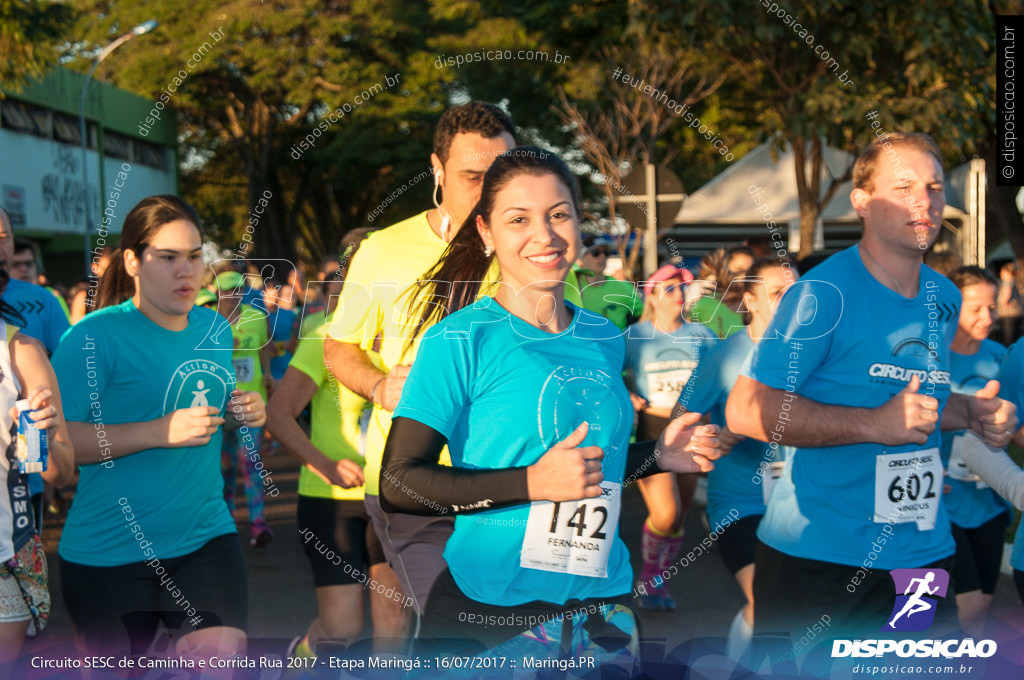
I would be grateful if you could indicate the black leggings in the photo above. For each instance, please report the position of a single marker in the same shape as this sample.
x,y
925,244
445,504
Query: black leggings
x,y
335,529
979,554
118,609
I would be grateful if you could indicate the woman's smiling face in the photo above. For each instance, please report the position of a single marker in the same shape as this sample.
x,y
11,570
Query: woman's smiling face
x,y
534,230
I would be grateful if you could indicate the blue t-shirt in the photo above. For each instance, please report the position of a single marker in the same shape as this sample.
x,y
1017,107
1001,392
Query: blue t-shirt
x,y
969,506
1011,377
117,366
1011,388
662,362
735,484
504,392
840,337
44,319
281,322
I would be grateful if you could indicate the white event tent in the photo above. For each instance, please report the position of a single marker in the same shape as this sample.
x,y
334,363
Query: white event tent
x,y
723,212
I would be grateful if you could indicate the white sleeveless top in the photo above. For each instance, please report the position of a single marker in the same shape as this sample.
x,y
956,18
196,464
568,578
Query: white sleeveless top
x,y
9,391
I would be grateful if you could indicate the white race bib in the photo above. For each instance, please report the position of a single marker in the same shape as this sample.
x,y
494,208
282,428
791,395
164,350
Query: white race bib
x,y
957,468
573,537
664,387
908,487
771,476
244,368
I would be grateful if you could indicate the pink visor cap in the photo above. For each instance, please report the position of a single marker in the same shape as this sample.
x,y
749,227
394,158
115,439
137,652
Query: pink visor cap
x,y
666,272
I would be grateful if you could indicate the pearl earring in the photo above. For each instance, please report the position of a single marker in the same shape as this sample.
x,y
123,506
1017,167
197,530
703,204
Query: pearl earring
x,y
488,250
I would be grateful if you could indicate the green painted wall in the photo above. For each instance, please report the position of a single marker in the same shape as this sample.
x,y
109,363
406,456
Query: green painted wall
x,y
117,109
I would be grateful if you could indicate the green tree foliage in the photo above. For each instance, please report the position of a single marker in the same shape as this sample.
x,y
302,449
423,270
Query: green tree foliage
x,y
923,66
282,66
31,33
246,101
247,106
618,127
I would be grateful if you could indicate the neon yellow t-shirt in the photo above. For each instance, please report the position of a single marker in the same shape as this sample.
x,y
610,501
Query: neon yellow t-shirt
x,y
372,305
249,330
334,412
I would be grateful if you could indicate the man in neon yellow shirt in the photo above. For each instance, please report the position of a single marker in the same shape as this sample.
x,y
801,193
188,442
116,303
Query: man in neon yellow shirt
x,y
373,309
342,547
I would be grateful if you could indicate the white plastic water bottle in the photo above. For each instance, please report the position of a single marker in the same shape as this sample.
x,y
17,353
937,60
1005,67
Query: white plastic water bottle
x,y
32,449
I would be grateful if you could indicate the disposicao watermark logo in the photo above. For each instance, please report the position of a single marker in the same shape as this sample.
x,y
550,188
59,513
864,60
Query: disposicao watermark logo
x,y
917,593
914,610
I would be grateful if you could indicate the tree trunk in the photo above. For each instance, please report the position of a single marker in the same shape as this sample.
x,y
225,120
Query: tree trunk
x,y
808,223
807,191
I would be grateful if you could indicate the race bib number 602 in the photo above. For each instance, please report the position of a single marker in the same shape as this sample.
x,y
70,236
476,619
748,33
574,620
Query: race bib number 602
x,y
573,537
908,487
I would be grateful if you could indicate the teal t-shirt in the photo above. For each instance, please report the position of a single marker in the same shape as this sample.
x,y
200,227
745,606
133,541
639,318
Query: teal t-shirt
x,y
841,337
503,392
116,366
736,484
662,362
969,506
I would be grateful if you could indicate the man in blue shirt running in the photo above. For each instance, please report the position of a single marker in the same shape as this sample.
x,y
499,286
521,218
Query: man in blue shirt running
x,y
44,319
854,372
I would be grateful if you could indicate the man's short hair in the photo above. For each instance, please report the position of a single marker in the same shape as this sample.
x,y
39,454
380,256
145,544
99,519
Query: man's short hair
x,y
23,244
864,167
486,120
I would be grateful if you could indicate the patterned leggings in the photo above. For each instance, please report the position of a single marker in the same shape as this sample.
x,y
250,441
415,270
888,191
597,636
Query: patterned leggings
x,y
561,649
245,448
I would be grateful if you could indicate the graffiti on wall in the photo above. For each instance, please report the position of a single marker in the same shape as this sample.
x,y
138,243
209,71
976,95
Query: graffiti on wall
x,y
64,199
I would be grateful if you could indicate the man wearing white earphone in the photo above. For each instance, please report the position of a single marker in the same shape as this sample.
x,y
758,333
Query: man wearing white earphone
x,y
373,308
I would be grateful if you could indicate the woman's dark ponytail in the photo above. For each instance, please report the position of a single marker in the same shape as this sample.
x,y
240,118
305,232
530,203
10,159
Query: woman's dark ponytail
x,y
454,282
115,285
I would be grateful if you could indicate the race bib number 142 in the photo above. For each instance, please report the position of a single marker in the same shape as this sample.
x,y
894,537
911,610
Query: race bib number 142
x,y
573,537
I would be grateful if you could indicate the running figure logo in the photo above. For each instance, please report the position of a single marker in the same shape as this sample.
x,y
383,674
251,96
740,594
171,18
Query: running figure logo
x,y
914,610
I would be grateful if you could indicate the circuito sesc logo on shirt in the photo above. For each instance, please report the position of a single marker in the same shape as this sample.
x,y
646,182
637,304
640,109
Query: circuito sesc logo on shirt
x,y
572,395
198,382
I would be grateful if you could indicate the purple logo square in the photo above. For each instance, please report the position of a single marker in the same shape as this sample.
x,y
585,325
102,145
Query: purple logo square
x,y
917,591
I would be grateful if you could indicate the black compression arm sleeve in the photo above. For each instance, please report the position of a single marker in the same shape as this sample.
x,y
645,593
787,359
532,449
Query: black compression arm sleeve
x,y
410,461
641,460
